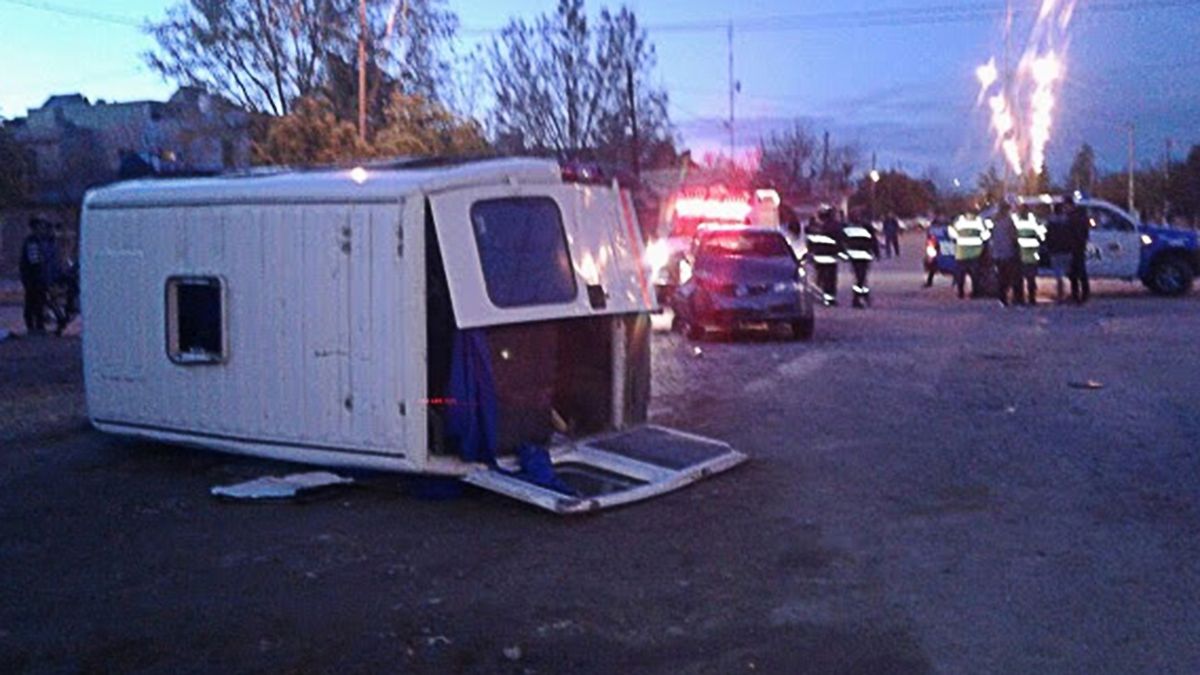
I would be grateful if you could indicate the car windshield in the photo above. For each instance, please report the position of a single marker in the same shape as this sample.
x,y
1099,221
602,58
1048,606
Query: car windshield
x,y
745,244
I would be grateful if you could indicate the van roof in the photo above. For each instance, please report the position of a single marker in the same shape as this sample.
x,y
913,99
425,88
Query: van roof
x,y
367,183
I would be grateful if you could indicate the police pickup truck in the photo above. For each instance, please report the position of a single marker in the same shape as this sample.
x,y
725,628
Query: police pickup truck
x,y
1120,246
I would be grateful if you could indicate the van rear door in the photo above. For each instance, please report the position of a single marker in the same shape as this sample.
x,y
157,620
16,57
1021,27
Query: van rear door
x,y
616,469
533,253
524,253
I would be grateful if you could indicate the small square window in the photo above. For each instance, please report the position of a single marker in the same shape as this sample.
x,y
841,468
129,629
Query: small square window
x,y
196,320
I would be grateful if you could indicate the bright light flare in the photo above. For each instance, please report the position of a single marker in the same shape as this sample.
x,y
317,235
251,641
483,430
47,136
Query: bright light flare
x,y
359,175
987,74
657,256
724,210
588,270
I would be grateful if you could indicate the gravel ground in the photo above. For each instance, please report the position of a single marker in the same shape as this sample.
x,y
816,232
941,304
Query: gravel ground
x,y
926,493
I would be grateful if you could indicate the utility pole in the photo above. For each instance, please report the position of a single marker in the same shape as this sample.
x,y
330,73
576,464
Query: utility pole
x,y
1007,84
1167,183
732,88
362,70
1132,149
633,121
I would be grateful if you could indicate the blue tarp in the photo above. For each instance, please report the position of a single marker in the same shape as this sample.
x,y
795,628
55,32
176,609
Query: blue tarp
x,y
472,416
537,468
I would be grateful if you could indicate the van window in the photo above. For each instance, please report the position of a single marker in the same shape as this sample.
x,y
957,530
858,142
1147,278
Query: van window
x,y
523,250
195,320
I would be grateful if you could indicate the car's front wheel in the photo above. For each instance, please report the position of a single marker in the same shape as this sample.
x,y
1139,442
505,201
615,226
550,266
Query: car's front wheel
x,y
1171,276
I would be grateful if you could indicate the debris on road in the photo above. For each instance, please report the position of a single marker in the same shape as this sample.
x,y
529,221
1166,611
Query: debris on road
x,y
276,487
1090,385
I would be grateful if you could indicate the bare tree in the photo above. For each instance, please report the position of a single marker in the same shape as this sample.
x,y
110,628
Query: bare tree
x,y
266,54
562,87
789,159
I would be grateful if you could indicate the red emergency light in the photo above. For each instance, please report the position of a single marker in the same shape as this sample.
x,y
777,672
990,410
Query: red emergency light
x,y
732,210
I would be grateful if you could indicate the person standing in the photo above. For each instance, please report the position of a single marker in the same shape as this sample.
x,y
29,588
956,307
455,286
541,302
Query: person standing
x,y
825,252
858,238
968,234
1079,231
34,272
1030,235
891,235
1058,247
1006,255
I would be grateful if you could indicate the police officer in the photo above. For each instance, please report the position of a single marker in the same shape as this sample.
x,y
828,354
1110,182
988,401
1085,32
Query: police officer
x,y
825,251
969,235
1030,235
862,248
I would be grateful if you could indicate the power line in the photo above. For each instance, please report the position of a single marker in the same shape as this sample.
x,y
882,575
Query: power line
x,y
868,18
78,12
884,18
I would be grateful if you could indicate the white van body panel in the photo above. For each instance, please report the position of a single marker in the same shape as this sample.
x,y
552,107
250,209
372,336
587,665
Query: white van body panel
x,y
324,356
310,363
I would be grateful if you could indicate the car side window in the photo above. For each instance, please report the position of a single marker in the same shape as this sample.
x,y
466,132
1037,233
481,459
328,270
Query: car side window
x,y
1103,219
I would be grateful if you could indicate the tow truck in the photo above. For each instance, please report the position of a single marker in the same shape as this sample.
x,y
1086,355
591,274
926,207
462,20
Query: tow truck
x,y
1121,246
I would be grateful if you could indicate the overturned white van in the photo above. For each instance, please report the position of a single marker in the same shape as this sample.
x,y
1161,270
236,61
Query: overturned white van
x,y
416,317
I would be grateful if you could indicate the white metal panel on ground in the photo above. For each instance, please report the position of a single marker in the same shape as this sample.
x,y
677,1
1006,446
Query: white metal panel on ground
x,y
616,469
599,244
315,356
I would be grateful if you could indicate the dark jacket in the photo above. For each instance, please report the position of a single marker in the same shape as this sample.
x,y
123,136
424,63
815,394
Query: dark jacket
x,y
1078,230
1058,235
33,261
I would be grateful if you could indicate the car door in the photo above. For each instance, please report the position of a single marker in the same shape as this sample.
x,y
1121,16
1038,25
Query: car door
x,y
1114,246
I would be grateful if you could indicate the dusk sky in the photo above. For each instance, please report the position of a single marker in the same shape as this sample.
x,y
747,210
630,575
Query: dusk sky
x,y
903,85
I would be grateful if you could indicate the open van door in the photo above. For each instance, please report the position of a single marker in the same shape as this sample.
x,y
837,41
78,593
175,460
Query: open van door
x,y
616,469
534,256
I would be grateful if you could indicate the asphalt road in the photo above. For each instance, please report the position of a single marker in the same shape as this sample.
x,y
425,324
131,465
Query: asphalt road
x,y
926,493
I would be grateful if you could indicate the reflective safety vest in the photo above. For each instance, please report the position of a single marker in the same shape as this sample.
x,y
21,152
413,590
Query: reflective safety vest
x,y
968,234
1030,235
860,243
823,248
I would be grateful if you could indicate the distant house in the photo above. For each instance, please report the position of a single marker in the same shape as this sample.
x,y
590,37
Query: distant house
x,y
75,144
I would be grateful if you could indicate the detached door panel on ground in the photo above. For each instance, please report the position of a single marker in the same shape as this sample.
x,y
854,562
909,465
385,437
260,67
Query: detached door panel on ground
x,y
617,469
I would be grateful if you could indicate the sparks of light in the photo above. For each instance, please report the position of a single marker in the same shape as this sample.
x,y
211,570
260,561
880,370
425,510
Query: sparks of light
x,y
987,74
1047,9
1005,125
1046,71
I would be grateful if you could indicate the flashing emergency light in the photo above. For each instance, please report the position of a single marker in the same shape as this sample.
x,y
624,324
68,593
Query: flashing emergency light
x,y
726,210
